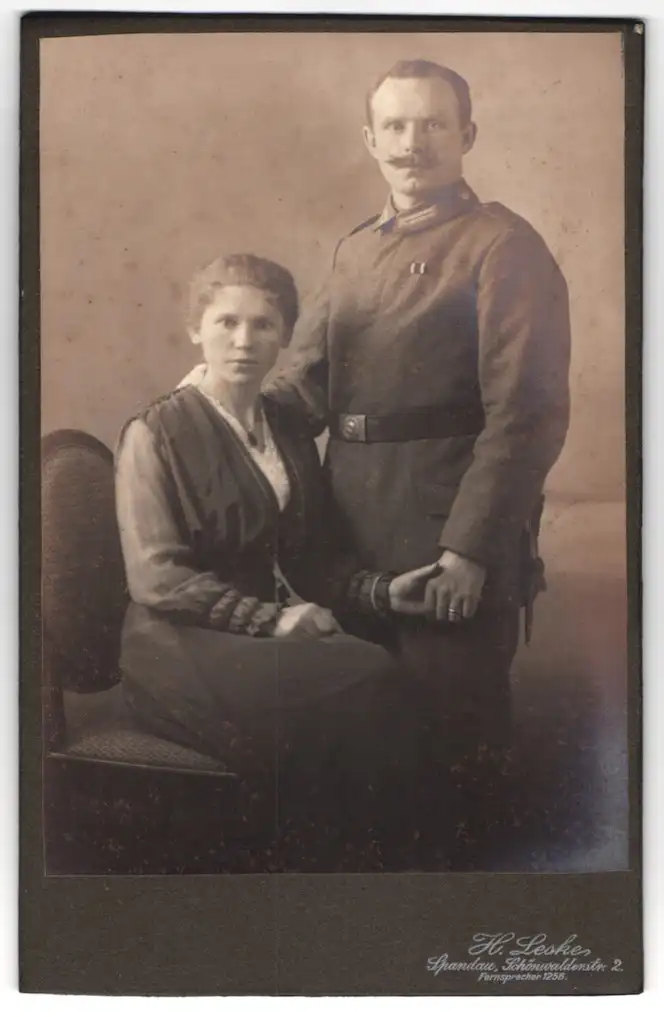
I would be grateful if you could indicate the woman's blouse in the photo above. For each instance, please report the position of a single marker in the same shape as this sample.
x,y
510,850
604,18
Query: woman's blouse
x,y
267,459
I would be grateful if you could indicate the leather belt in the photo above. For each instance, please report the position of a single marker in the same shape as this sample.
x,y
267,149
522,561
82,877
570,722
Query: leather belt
x,y
409,425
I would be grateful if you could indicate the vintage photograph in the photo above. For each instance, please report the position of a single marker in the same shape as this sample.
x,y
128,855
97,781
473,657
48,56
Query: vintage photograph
x,y
333,452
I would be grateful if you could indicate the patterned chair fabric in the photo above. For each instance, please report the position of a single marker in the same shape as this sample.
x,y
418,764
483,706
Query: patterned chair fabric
x,y
127,747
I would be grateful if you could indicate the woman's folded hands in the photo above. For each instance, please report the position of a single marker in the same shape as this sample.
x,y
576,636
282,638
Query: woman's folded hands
x,y
306,621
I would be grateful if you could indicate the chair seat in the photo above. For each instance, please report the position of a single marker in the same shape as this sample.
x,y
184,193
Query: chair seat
x,y
122,746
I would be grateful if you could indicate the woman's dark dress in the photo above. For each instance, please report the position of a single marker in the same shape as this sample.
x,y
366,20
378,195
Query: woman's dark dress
x,y
201,530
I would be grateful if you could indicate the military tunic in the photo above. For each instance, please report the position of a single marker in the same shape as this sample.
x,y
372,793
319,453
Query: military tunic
x,y
462,307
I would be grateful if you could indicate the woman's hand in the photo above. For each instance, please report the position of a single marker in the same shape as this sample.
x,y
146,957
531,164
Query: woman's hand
x,y
407,591
306,621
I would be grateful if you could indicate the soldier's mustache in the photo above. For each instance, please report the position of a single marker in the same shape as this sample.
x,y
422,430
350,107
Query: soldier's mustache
x,y
412,162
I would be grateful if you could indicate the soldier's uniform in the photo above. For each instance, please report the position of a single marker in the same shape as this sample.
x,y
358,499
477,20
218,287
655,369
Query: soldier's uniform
x,y
437,353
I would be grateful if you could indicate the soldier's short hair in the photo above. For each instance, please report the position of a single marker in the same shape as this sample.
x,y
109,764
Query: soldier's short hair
x,y
242,270
426,69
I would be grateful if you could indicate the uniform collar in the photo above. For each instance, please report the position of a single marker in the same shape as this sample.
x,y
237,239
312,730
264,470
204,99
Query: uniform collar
x,y
450,202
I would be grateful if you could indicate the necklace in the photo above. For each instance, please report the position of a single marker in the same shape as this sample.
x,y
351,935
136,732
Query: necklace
x,y
252,439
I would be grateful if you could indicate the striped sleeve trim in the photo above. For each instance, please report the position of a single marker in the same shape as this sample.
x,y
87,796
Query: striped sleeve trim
x,y
243,615
221,612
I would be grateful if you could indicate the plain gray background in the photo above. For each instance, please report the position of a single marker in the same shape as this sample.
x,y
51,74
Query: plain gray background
x,y
160,152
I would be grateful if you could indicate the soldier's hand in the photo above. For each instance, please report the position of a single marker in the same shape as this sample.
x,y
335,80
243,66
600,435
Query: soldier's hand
x,y
455,593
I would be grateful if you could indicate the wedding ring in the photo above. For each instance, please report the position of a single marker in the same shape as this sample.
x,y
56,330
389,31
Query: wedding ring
x,y
453,615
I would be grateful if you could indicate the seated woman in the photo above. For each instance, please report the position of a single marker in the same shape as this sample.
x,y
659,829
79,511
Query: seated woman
x,y
221,509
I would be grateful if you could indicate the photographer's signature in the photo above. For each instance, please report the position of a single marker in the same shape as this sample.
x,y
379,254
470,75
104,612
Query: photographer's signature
x,y
492,943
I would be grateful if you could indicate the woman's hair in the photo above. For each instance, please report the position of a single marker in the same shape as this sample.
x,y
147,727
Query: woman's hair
x,y
242,270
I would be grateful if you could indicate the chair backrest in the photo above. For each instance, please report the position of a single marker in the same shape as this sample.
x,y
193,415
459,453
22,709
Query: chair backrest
x,y
84,595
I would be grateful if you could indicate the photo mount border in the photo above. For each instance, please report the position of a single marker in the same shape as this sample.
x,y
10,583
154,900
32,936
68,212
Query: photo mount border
x,y
338,934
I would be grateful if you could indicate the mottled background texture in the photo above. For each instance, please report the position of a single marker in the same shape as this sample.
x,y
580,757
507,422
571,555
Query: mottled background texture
x,y
160,151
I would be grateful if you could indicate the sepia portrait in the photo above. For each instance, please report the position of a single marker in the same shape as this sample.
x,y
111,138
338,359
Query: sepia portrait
x,y
333,452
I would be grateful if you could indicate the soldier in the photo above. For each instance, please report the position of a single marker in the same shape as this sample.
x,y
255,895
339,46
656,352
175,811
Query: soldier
x,y
437,354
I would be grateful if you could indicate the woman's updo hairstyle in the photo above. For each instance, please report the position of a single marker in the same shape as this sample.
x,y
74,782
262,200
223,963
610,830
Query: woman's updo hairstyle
x,y
242,270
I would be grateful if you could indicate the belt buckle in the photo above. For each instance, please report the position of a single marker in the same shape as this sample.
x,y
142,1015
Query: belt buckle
x,y
353,426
